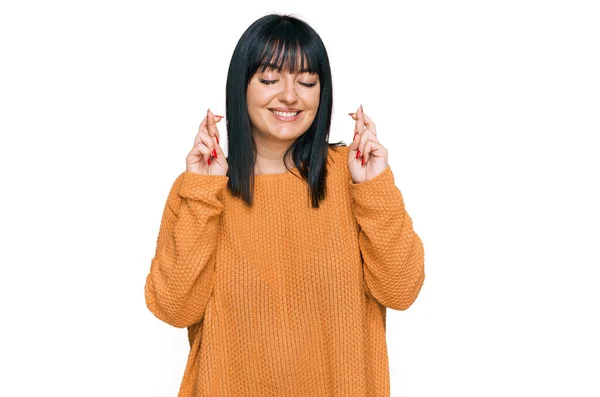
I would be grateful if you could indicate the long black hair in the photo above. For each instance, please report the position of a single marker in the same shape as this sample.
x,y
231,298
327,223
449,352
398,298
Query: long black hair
x,y
275,41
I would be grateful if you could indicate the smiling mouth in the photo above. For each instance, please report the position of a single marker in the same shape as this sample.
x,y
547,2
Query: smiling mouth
x,y
286,115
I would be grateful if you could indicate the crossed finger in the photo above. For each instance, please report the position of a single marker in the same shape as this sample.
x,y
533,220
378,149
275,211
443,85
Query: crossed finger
x,y
208,126
367,122
212,125
372,148
364,126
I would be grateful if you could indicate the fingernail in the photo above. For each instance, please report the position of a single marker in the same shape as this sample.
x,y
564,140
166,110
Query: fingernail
x,y
350,114
208,161
216,136
361,109
358,154
214,153
363,161
216,115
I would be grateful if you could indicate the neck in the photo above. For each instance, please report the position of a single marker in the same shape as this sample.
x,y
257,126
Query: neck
x,y
269,157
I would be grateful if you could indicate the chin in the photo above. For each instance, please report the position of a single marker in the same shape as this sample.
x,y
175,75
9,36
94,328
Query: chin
x,y
287,135
284,132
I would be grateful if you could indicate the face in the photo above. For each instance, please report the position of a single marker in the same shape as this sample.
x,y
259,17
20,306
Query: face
x,y
282,105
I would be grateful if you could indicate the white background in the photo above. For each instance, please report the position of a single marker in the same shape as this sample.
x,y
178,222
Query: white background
x,y
489,111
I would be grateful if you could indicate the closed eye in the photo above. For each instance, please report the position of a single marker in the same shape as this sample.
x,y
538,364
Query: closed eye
x,y
267,82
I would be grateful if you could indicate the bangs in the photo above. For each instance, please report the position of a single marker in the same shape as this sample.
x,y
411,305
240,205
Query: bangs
x,y
288,56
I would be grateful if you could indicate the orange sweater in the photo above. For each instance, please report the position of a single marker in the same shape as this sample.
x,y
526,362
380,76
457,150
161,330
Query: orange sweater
x,y
284,299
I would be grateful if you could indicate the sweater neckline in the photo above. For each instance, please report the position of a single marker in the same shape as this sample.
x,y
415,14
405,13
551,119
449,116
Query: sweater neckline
x,y
276,176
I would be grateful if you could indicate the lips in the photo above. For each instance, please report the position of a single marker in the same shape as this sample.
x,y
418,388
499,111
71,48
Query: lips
x,y
292,110
286,115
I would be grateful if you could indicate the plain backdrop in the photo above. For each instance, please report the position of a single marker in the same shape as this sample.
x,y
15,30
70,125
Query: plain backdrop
x,y
490,111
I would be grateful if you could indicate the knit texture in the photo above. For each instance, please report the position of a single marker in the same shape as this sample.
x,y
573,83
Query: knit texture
x,y
283,299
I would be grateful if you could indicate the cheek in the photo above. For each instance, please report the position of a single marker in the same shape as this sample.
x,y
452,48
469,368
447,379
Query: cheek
x,y
253,96
312,100
313,96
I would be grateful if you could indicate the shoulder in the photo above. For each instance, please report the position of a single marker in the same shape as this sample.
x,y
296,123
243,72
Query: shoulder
x,y
337,161
337,151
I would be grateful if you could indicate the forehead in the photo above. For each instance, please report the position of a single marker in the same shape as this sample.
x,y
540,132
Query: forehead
x,y
280,58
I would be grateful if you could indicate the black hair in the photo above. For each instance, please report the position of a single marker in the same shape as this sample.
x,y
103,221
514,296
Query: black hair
x,y
275,41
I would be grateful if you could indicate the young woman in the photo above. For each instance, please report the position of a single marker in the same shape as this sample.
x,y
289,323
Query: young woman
x,y
282,258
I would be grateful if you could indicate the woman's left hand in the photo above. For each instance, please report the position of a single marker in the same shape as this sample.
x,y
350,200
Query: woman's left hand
x,y
367,158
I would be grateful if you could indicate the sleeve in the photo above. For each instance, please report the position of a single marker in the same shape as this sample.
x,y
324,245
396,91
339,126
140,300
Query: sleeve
x,y
393,256
181,278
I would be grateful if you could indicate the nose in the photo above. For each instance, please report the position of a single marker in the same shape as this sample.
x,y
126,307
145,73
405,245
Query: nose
x,y
288,90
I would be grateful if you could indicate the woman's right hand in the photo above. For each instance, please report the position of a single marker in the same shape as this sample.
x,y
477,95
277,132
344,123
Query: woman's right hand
x,y
207,157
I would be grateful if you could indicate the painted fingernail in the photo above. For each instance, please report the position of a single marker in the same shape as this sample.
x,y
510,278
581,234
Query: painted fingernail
x,y
216,136
358,154
214,153
363,161
208,161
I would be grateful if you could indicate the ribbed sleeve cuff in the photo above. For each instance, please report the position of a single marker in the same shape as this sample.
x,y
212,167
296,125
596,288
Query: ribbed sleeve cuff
x,y
201,187
377,196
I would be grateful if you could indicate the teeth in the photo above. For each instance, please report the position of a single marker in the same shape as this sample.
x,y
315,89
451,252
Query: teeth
x,y
285,114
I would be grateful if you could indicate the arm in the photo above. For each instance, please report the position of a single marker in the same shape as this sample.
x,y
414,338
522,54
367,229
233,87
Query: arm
x,y
182,271
393,256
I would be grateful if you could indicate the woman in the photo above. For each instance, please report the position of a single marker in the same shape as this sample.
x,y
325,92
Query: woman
x,y
282,258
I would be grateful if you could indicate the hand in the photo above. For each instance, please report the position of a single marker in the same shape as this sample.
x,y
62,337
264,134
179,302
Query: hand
x,y
367,158
207,157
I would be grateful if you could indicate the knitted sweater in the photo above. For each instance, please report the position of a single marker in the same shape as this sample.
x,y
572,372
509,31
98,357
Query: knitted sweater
x,y
283,299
